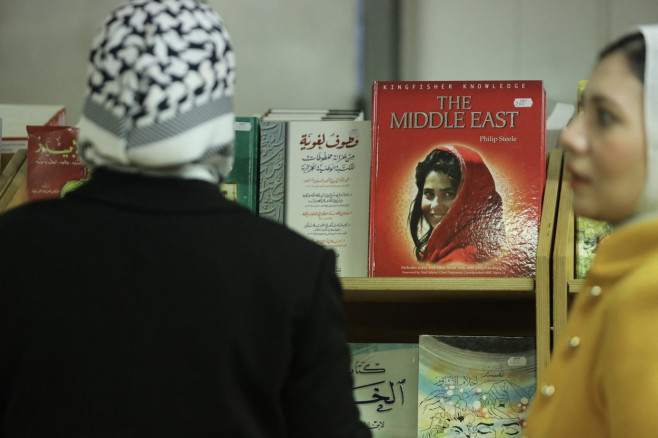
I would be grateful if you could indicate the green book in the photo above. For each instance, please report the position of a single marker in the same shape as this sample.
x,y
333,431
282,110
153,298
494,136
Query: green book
x,y
241,185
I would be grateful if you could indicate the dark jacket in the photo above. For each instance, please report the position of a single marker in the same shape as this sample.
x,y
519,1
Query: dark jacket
x,y
141,306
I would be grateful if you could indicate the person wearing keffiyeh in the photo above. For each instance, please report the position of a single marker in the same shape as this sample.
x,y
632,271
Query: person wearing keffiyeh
x,y
144,303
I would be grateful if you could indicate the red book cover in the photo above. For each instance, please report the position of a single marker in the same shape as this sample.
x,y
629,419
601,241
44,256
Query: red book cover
x,y
457,178
53,167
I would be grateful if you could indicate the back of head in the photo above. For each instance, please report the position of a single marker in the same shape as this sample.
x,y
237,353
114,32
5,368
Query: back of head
x,y
159,97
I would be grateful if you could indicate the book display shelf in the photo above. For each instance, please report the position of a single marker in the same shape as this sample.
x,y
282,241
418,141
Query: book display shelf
x,y
400,309
13,180
565,283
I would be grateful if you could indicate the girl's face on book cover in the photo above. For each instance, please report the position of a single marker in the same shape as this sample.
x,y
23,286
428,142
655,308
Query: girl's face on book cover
x,y
438,197
606,144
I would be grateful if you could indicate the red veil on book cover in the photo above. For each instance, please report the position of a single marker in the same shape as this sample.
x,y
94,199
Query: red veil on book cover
x,y
458,173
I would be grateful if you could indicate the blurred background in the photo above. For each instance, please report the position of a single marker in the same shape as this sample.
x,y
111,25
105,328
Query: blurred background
x,y
325,54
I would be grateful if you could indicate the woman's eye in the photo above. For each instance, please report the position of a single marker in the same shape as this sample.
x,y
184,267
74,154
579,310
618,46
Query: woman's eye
x,y
428,194
450,195
604,117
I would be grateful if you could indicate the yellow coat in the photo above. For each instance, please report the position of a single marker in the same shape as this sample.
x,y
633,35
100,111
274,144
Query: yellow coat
x,y
603,378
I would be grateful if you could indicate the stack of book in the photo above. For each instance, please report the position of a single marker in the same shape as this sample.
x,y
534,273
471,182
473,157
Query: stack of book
x,y
445,386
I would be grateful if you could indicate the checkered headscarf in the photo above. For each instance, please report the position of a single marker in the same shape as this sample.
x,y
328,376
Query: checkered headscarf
x,y
160,92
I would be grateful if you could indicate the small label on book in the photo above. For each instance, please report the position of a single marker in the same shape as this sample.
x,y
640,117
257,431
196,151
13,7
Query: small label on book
x,y
525,102
517,361
242,126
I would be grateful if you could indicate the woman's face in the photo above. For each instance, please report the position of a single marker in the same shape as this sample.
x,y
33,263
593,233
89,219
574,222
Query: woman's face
x,y
606,145
438,197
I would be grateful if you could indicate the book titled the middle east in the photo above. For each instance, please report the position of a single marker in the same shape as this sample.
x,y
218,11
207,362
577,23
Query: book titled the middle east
x,y
457,177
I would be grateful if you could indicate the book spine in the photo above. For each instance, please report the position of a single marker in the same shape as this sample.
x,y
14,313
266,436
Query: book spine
x,y
373,180
272,170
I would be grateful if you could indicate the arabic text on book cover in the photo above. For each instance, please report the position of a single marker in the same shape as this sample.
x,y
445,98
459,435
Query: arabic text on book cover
x,y
474,385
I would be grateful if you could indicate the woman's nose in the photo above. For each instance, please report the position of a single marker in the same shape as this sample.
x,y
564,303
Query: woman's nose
x,y
573,137
437,205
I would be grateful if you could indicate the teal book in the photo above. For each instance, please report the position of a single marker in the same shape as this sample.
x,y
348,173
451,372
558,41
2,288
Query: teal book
x,y
241,184
474,385
385,377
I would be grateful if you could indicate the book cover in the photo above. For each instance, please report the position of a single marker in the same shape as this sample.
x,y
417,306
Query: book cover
x,y
385,377
589,233
272,168
311,114
241,184
579,99
327,188
16,118
53,167
474,385
458,173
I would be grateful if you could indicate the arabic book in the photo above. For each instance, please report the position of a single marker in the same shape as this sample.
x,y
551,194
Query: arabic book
x,y
327,188
241,184
474,385
53,167
16,117
272,167
589,233
385,379
457,180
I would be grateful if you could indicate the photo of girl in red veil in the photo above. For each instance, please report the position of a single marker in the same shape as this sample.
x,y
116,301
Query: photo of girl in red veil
x,y
457,213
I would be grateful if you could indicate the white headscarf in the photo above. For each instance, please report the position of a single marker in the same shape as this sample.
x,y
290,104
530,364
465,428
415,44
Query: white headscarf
x,y
647,206
160,92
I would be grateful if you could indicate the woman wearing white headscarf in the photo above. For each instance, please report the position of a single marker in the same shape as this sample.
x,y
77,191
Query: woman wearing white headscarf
x,y
603,377
143,303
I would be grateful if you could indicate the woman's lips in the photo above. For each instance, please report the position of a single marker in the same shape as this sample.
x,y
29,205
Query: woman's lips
x,y
577,179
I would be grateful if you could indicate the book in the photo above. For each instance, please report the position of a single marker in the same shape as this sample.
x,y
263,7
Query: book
x,y
314,178
385,378
271,170
474,385
589,233
16,117
8,177
327,188
579,99
312,114
475,215
53,167
241,184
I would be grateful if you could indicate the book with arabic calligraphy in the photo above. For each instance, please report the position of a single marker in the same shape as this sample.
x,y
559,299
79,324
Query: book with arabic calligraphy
x,y
385,377
474,385
327,188
458,174
53,167
16,117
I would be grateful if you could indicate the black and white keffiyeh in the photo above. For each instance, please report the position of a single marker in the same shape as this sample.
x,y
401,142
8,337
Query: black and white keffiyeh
x,y
160,92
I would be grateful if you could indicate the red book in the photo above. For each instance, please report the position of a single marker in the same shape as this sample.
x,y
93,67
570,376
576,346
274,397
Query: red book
x,y
457,178
53,167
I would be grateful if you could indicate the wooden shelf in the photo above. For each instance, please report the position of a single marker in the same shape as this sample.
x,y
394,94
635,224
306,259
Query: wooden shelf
x,y
573,286
431,289
399,309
